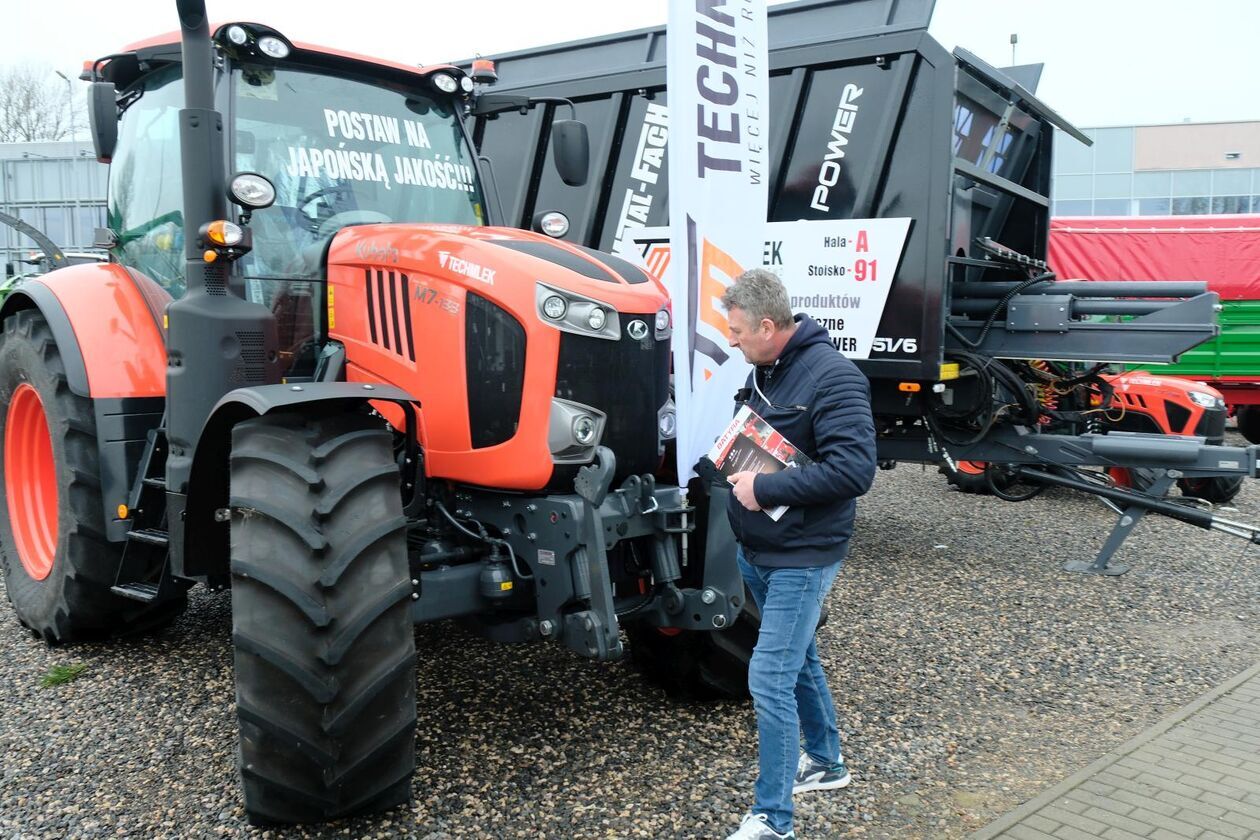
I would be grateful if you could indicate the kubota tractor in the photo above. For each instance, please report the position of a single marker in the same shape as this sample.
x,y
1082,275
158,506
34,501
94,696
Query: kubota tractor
x,y
1083,401
324,381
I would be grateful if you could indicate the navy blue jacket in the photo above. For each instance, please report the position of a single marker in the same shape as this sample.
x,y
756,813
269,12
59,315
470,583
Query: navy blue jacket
x,y
821,403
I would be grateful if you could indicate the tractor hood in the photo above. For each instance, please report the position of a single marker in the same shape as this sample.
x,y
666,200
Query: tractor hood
x,y
511,341
499,263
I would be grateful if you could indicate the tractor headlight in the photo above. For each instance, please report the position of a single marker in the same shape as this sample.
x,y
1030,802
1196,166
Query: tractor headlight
x,y
445,82
1203,399
273,47
554,307
570,312
662,320
252,191
667,424
573,431
237,35
584,428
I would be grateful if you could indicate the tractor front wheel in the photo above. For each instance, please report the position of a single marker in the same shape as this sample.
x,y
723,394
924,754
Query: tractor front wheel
x,y
1218,490
1248,417
321,623
698,664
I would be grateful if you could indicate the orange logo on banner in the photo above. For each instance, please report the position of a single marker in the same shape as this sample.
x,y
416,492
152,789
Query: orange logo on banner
x,y
712,287
717,271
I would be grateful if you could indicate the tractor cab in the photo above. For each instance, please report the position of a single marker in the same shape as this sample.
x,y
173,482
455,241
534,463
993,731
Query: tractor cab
x,y
342,140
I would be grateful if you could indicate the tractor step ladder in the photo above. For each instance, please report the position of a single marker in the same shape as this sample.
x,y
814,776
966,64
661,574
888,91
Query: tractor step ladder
x,y
143,574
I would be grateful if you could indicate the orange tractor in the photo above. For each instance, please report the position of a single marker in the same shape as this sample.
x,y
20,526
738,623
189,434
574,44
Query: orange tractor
x,y
313,373
1098,402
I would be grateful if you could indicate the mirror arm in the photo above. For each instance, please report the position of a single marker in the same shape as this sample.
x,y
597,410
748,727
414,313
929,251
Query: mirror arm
x,y
497,103
557,100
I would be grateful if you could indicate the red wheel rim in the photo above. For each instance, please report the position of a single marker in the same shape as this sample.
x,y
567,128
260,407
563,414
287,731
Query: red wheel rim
x,y
30,481
1121,476
971,467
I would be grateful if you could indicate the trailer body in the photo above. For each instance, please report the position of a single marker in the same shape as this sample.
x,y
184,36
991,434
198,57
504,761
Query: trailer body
x,y
872,118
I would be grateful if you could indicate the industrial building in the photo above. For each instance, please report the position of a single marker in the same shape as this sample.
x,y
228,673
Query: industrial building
x,y
1159,170
58,188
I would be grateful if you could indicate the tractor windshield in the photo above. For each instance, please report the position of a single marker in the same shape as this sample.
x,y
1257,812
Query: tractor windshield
x,y
344,151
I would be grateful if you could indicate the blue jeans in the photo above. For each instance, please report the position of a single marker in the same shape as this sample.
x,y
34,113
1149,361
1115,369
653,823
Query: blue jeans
x,y
787,682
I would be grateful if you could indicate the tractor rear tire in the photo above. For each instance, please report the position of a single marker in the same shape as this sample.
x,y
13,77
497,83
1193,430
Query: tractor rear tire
x,y
1248,417
58,565
321,623
698,664
1218,490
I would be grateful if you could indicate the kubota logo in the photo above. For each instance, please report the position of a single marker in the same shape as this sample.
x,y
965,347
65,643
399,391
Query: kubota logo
x,y
370,251
637,329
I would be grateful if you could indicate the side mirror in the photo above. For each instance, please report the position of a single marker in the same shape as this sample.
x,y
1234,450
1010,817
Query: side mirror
x,y
103,119
572,151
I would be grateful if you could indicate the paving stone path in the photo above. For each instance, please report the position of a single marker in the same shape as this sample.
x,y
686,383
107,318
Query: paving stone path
x,y
1193,776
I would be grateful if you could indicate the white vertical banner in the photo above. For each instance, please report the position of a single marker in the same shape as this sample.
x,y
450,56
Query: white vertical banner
x,y
717,79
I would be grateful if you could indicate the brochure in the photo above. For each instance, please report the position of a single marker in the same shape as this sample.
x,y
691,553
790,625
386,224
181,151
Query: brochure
x,y
750,444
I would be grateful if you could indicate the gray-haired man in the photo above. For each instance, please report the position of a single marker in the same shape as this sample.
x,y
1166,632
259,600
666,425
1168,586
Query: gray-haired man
x,y
820,402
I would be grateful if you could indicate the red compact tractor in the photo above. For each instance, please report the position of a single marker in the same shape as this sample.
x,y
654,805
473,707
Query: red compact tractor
x,y
1093,401
313,373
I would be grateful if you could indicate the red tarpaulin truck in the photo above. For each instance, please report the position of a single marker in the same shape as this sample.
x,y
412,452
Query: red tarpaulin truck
x,y
1224,251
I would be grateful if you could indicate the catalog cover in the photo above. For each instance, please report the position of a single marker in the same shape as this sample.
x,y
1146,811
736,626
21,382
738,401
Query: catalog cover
x,y
750,444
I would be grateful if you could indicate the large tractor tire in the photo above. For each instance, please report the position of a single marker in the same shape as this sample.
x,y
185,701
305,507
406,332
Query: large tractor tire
x,y
1248,417
321,624
1218,490
698,664
58,565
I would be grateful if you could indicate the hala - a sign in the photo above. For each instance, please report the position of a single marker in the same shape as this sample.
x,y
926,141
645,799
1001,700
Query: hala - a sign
x,y
838,272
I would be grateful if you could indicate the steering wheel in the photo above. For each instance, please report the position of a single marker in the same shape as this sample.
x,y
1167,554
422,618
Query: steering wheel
x,y
325,210
326,223
322,192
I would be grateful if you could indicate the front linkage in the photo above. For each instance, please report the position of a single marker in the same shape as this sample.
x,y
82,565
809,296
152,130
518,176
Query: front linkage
x,y
567,540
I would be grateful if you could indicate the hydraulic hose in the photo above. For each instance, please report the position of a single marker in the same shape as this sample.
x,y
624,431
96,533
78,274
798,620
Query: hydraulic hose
x,y
484,537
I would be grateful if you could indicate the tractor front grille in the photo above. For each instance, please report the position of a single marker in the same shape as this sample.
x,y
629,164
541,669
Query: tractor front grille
x,y
628,380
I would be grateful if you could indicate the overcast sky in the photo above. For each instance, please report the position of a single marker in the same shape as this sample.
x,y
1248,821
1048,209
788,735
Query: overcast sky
x,y
1108,62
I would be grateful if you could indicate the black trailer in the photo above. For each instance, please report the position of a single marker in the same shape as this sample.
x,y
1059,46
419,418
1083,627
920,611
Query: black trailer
x,y
975,330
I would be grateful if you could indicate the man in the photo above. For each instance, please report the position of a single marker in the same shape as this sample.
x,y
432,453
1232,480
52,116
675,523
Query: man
x,y
820,402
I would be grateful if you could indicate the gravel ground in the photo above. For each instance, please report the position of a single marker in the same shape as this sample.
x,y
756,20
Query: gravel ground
x,y
970,673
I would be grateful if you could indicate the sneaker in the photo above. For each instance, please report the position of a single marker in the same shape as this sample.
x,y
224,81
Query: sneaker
x,y
757,827
814,775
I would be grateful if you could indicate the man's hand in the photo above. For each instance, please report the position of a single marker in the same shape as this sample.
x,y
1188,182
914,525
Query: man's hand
x,y
743,489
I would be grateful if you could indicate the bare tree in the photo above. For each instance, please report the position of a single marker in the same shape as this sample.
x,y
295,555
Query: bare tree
x,y
35,104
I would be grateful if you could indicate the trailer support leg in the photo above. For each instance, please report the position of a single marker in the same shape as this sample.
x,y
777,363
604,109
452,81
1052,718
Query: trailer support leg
x,y
1124,526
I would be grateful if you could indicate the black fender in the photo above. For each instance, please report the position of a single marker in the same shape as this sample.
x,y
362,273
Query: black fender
x,y
205,540
35,295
